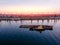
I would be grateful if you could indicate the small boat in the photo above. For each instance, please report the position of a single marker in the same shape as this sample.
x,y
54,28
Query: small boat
x,y
37,28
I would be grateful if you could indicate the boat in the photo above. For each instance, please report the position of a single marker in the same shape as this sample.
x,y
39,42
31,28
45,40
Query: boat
x,y
37,27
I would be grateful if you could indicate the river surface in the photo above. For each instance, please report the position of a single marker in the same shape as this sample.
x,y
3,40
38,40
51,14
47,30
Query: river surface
x,y
11,34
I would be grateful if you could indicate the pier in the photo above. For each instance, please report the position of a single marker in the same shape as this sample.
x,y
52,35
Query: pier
x,y
29,17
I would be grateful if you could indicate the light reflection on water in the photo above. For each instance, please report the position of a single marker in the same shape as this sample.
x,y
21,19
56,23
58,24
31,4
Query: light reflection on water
x,y
11,33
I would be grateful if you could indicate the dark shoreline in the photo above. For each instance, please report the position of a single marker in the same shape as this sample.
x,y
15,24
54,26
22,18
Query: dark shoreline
x,y
29,19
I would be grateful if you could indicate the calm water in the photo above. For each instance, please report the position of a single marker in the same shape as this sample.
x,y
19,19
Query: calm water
x,y
11,34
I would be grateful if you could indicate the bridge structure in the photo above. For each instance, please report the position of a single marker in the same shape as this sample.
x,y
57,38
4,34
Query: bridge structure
x,y
29,17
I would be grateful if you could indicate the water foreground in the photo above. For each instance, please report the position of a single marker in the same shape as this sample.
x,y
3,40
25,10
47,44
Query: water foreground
x,y
11,34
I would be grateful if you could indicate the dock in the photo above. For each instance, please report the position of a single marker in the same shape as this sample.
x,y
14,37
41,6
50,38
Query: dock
x,y
37,27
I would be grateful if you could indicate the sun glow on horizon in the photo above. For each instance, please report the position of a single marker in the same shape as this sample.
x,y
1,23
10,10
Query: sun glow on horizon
x,y
29,10
29,6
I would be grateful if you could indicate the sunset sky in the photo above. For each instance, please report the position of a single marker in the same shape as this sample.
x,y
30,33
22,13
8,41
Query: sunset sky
x,y
30,6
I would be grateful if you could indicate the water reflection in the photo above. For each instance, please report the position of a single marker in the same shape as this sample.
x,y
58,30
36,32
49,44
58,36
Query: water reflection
x,y
12,34
38,21
40,30
52,20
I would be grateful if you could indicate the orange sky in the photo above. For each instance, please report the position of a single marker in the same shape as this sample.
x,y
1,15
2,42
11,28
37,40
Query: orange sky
x,y
30,6
29,10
